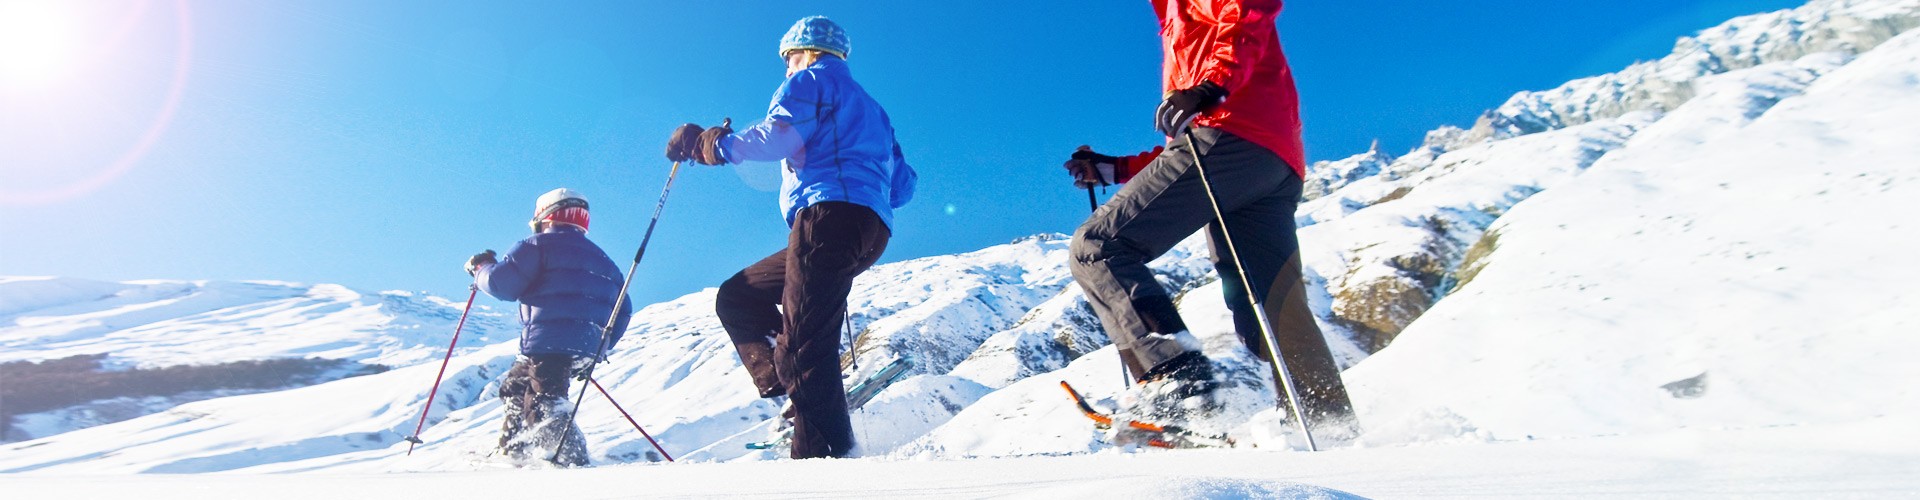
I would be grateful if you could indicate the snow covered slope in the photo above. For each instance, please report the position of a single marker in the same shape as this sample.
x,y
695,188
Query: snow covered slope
x,y
1870,460
1735,265
676,371
160,324
1672,263
1385,269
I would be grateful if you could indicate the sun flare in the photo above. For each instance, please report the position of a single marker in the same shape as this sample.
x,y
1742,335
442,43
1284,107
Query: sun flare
x,y
87,88
37,43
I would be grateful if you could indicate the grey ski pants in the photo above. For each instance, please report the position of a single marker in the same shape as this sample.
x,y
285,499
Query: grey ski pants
x,y
1163,204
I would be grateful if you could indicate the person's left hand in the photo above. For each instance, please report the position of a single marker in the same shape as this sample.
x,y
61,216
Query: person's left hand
x,y
1091,169
1177,112
709,153
684,142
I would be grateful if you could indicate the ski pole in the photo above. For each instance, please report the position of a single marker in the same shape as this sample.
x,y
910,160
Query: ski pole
x,y
414,440
1259,311
623,413
620,300
854,361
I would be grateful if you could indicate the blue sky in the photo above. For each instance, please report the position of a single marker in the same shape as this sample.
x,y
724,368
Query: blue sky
x,y
378,144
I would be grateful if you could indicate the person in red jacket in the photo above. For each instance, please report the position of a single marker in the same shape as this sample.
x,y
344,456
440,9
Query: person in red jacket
x,y
1230,94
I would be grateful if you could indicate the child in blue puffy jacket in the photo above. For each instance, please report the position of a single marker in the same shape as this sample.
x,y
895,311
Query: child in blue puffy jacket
x,y
567,288
842,176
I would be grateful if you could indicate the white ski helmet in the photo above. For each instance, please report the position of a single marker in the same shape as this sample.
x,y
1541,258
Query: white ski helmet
x,y
553,202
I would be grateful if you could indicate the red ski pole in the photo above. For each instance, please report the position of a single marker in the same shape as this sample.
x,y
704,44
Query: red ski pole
x,y
473,291
623,413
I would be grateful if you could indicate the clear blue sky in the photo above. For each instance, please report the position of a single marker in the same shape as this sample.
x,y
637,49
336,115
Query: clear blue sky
x,y
377,144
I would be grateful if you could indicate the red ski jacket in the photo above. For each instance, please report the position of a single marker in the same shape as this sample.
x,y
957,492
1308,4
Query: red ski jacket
x,y
1234,44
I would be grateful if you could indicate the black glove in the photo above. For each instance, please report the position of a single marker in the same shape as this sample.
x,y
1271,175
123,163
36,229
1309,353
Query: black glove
x,y
1091,169
709,153
582,366
1182,106
479,259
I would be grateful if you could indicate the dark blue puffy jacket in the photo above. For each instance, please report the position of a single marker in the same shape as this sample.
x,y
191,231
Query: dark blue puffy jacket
x,y
565,286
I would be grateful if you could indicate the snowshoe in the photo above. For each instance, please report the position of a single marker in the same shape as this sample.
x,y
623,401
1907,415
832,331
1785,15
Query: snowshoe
x,y
1125,431
858,395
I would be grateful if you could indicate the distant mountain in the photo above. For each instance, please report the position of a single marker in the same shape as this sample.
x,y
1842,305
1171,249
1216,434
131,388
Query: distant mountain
x,y
153,325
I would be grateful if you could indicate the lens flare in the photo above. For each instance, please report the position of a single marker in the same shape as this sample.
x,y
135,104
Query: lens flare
x,y
40,49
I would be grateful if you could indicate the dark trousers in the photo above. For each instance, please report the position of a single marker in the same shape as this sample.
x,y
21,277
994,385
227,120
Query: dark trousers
x,y
535,396
1163,204
798,353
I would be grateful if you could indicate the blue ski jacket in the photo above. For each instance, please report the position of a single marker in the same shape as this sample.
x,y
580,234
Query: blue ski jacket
x,y
833,142
566,286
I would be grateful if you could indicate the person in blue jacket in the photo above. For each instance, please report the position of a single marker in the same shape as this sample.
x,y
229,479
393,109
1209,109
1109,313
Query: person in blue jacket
x,y
566,287
842,177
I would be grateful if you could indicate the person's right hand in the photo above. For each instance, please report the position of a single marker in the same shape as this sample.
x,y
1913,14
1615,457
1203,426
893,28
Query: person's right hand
x,y
684,143
1091,169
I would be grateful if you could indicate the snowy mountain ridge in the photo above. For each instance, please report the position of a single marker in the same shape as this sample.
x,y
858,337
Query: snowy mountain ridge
x,y
1847,26
154,323
1820,26
157,324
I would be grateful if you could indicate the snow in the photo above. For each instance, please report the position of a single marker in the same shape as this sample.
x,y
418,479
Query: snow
x,y
163,323
1687,278
1861,460
1771,255
158,323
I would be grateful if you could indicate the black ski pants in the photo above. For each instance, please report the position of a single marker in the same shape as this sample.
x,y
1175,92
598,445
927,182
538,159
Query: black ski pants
x,y
1163,204
797,352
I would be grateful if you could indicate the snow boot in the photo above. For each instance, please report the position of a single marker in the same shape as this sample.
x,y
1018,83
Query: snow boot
x,y
1185,376
511,446
542,436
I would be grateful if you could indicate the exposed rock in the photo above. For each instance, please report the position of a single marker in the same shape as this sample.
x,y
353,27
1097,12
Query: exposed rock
x,y
1687,388
1475,260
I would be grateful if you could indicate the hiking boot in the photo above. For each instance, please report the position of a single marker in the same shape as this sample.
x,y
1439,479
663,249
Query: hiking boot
x,y
1187,375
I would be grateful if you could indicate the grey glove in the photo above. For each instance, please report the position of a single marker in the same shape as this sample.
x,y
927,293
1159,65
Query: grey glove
x,y
480,259
582,368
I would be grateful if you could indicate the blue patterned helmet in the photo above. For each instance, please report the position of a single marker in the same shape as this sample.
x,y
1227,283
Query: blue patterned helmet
x,y
818,33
